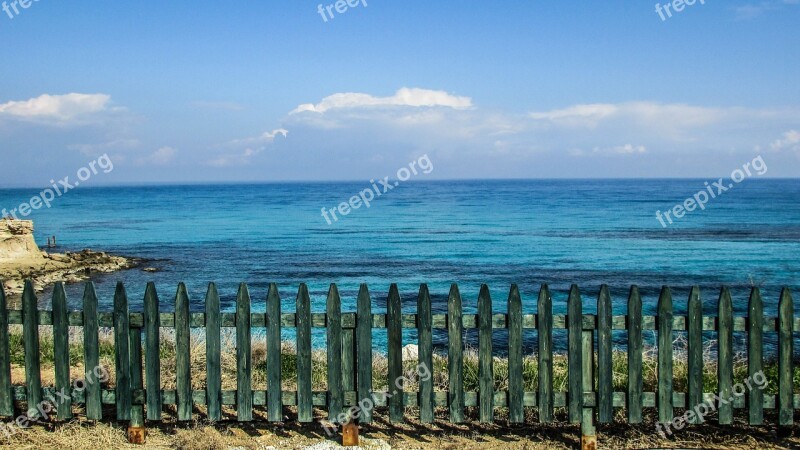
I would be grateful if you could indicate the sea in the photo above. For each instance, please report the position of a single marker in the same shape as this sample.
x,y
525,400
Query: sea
x,y
494,232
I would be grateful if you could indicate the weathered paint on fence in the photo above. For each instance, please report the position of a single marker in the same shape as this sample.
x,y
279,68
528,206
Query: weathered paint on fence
x,y
137,350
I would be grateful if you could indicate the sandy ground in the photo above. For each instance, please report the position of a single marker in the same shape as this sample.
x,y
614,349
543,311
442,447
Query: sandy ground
x,y
383,435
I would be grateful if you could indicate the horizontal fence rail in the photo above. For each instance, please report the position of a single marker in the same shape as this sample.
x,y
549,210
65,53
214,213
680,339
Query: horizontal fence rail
x,y
138,393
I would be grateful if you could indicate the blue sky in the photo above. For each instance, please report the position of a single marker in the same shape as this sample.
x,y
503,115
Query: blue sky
x,y
268,91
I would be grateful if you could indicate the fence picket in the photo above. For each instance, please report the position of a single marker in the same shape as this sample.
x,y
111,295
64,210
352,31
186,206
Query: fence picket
x,y
274,389
455,355
425,336
30,332
6,398
755,356
395,343
334,325
544,325
350,356
244,388
575,354
485,363
515,374
725,357
152,335
213,355
605,385
635,348
364,345
305,406
785,359
694,328
91,355
122,352
182,354
665,373
61,353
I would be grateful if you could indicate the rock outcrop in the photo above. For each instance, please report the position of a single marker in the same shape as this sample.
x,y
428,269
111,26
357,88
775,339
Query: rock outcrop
x,y
20,259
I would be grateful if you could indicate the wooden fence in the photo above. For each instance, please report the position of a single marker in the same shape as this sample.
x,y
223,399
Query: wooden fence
x,y
590,397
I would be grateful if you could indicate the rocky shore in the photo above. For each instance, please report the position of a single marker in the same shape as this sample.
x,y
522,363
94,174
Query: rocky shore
x,y
21,258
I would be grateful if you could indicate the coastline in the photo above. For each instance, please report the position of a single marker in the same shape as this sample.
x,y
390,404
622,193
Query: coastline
x,y
21,259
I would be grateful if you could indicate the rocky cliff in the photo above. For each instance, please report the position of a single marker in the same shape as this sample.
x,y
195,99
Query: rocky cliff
x,y
20,259
17,243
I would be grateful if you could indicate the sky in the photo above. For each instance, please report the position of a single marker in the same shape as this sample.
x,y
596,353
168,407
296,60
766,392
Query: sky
x,y
269,91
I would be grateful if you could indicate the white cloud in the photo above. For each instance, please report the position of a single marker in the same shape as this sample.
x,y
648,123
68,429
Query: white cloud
x,y
160,157
247,148
65,109
790,139
117,144
411,97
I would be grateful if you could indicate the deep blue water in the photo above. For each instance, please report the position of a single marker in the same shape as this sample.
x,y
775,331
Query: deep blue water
x,y
559,232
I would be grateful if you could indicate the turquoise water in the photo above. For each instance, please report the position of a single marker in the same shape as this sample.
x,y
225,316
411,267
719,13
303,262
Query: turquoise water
x,y
559,232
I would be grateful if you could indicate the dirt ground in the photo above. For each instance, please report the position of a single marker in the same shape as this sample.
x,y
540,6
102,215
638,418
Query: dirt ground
x,y
382,435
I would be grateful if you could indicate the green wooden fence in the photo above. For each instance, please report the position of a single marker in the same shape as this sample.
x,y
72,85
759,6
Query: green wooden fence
x,y
590,397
